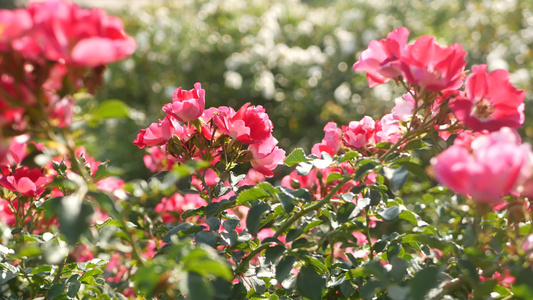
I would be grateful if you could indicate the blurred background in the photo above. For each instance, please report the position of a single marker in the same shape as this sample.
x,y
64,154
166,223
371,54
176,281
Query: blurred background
x,y
293,57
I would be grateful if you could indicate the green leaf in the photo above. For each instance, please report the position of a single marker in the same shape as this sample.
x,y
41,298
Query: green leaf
x,y
415,145
273,253
253,219
6,276
334,176
73,288
423,281
413,168
397,178
297,156
198,287
55,291
284,267
390,214
207,237
110,109
412,218
345,212
90,273
347,288
254,193
287,201
364,168
181,230
309,283
349,156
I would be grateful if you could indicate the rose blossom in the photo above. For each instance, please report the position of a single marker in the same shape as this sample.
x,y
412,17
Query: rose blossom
x,y
266,156
187,105
249,125
29,182
331,143
488,171
158,134
381,60
491,101
359,134
433,67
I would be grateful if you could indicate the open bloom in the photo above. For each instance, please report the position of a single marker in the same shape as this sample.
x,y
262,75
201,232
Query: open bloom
x,y
28,182
488,170
187,105
63,31
158,134
266,156
249,125
359,134
491,101
381,60
433,67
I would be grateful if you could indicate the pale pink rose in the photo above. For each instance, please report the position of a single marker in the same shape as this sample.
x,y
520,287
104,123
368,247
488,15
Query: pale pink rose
x,y
486,173
491,101
266,156
61,111
16,151
381,60
249,125
388,129
404,108
433,67
331,143
359,134
187,105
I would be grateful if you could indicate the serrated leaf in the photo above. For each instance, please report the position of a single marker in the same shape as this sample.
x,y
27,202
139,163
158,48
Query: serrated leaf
x,y
334,176
304,168
182,230
254,193
348,156
413,168
55,291
345,212
397,178
284,267
90,273
415,145
412,218
253,220
309,283
390,214
199,287
297,156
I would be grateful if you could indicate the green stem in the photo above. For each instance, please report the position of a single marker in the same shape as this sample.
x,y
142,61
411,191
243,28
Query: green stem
x,y
310,208
244,263
367,233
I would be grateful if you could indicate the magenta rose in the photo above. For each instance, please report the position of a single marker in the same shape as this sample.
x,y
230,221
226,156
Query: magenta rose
x,y
491,101
249,125
433,67
28,182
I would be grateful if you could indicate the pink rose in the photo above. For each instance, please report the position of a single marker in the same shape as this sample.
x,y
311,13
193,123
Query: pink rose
x,y
158,134
331,143
187,105
249,125
359,134
404,108
29,182
66,32
16,151
266,156
486,173
433,67
381,60
491,101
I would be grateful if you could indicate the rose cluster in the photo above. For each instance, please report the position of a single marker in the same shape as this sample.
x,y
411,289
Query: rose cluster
x,y
487,160
217,135
47,52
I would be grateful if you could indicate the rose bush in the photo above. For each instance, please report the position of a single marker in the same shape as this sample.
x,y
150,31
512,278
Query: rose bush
x,y
364,215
